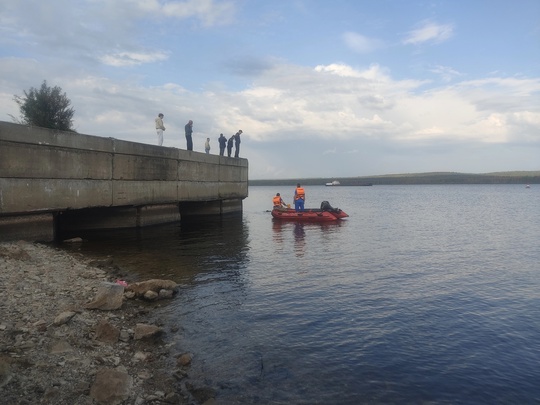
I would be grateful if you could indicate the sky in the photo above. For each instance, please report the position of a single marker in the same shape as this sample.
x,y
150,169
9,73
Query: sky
x,y
320,88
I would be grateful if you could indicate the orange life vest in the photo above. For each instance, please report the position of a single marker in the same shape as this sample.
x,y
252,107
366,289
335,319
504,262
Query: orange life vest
x,y
300,194
277,200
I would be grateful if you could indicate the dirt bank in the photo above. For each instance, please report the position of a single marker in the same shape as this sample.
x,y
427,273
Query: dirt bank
x,y
54,350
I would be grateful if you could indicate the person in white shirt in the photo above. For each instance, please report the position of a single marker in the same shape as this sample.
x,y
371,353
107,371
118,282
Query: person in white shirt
x,y
160,128
207,146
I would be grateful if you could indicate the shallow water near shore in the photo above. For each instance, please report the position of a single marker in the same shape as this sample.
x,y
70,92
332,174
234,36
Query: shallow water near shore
x,y
424,294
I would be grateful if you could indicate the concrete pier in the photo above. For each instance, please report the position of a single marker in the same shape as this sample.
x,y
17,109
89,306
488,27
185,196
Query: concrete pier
x,y
52,178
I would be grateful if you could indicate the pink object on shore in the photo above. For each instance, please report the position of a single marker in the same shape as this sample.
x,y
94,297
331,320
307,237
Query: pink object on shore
x,y
122,283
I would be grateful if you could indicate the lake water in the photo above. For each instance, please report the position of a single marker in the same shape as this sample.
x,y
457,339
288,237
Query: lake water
x,y
425,294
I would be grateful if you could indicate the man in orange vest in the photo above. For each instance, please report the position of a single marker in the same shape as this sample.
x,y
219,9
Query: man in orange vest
x,y
299,198
278,202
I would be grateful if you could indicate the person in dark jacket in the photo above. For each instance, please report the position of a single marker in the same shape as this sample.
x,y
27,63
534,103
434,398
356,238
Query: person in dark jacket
x,y
222,144
237,143
229,145
189,132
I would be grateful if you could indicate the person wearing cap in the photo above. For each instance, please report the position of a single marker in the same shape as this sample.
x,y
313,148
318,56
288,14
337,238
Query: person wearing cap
x,y
237,143
160,128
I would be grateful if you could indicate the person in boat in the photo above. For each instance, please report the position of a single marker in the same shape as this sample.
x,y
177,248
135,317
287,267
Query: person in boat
x,y
299,198
278,202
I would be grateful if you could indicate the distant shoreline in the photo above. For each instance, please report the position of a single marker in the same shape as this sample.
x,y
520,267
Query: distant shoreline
x,y
516,177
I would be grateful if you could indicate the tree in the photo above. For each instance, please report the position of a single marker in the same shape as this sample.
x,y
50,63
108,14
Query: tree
x,y
47,107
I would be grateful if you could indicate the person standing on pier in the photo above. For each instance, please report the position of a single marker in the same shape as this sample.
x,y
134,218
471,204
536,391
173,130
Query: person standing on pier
x,y
237,143
207,146
230,145
222,144
189,132
160,128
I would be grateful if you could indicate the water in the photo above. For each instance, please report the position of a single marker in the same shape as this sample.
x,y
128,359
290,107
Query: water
x,y
426,294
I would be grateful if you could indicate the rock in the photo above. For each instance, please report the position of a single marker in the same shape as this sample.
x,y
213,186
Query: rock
x,y
109,297
14,252
124,336
201,394
111,386
5,372
144,331
73,240
102,263
140,356
172,398
129,294
155,285
166,294
151,295
184,359
41,325
106,332
60,346
63,318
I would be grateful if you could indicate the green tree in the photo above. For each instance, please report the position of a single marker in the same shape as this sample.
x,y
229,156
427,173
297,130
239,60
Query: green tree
x,y
46,107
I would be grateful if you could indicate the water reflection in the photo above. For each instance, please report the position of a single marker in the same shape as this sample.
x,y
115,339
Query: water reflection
x,y
185,252
299,230
299,239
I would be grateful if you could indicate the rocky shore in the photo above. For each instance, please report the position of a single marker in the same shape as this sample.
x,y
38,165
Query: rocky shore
x,y
72,333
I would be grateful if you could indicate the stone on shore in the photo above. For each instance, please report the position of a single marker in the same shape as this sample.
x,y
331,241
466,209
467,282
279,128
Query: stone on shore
x,y
63,318
145,331
106,332
155,285
5,372
112,386
109,297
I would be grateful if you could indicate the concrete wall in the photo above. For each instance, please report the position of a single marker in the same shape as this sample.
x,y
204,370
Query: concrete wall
x,y
47,171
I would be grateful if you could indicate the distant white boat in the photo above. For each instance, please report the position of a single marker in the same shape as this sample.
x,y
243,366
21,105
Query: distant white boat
x,y
527,186
334,183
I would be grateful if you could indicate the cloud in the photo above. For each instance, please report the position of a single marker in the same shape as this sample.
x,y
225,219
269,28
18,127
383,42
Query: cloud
x,y
121,62
429,31
445,72
360,43
132,58
210,12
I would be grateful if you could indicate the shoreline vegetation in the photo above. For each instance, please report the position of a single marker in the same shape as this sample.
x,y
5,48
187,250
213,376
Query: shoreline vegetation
x,y
514,177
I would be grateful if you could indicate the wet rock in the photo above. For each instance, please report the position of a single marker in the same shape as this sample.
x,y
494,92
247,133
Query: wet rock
x,y
109,297
111,386
154,285
145,331
151,295
166,294
201,394
73,240
184,359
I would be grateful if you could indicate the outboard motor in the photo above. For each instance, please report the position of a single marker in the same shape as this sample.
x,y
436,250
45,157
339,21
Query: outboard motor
x,y
325,206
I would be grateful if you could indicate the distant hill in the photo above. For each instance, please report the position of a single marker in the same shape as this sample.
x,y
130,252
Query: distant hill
x,y
515,177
